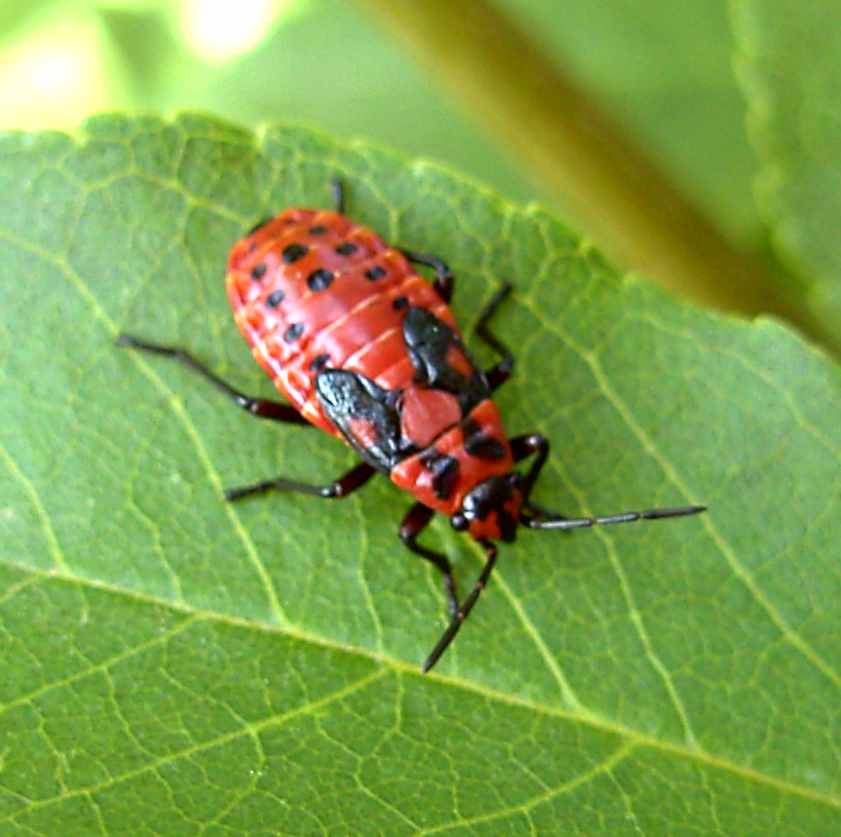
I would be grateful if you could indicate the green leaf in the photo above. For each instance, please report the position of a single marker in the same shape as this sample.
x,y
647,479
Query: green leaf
x,y
14,16
790,61
173,664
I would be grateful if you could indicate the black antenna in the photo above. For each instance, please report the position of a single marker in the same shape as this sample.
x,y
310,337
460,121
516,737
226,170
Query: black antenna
x,y
624,517
543,521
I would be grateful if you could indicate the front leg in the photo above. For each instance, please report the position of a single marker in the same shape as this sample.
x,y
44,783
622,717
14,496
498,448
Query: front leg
x,y
415,521
526,445
523,446
464,611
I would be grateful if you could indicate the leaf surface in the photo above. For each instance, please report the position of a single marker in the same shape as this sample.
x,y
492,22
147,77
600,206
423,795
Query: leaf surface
x,y
173,664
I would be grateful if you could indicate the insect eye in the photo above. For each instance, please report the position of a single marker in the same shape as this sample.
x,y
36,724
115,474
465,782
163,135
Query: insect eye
x,y
459,522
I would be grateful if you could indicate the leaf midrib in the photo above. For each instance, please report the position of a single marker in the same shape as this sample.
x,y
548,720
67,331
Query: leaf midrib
x,y
585,717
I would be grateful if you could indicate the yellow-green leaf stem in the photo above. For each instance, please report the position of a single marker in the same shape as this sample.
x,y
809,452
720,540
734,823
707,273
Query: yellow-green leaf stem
x,y
569,146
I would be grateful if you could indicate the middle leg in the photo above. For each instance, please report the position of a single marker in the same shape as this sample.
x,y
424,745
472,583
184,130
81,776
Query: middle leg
x,y
501,372
444,279
415,521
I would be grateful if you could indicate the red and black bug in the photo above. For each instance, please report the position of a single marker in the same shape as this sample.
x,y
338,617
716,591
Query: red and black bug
x,y
369,351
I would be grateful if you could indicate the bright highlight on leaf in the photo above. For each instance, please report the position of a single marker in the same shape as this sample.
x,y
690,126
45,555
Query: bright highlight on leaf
x,y
174,664
219,30
56,72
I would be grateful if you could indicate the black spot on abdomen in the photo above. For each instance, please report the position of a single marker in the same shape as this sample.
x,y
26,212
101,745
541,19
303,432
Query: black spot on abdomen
x,y
293,332
375,272
293,252
320,280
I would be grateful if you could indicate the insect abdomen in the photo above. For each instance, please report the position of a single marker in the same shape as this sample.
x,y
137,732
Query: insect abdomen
x,y
311,290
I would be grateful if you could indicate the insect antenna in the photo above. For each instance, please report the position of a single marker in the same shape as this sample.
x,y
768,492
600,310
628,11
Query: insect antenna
x,y
557,522
464,611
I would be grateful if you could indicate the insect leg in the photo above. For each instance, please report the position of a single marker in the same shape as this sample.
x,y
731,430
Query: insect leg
x,y
499,374
260,407
444,279
338,189
261,223
415,521
523,446
345,485
464,611
526,445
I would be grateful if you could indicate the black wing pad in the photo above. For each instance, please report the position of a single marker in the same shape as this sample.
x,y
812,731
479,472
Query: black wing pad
x,y
435,351
365,414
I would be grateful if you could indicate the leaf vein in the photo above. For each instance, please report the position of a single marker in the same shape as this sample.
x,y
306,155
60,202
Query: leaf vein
x,y
40,511
606,766
253,729
177,408
582,716
737,567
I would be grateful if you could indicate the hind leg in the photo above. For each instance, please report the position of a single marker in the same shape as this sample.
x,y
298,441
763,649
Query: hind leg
x,y
260,407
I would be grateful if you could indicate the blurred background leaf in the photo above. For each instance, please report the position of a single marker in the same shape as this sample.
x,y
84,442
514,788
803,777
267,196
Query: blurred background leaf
x,y
789,61
322,61
663,182
666,70
314,61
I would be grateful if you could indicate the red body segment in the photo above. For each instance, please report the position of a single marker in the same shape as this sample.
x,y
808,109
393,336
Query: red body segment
x,y
311,290
412,475
415,477
354,322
